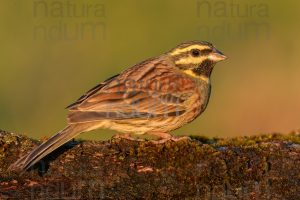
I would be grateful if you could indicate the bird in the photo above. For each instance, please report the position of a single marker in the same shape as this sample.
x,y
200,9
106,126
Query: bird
x,y
153,97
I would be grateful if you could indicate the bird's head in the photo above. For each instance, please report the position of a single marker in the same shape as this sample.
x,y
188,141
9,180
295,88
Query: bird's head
x,y
196,58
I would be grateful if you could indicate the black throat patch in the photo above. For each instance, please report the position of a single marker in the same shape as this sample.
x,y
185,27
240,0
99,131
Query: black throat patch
x,y
205,68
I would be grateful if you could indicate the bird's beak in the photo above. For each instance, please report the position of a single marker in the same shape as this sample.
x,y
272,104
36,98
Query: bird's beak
x,y
216,56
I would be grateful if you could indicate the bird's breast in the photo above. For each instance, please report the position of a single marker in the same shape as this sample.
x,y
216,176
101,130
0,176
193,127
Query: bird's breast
x,y
200,99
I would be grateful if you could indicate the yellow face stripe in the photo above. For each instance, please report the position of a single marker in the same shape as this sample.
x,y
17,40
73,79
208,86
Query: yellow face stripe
x,y
187,49
190,60
201,77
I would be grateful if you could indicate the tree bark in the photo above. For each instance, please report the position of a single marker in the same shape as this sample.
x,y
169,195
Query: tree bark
x,y
262,167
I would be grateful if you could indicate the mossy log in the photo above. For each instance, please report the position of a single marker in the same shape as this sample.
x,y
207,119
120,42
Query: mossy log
x,y
262,167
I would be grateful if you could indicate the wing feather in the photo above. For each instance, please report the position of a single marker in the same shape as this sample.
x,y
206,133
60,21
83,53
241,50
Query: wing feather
x,y
90,93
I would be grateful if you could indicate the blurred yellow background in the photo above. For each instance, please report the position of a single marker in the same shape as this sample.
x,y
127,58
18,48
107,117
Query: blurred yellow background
x,y
53,51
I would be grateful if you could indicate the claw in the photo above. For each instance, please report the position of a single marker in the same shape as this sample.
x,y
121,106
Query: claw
x,y
127,137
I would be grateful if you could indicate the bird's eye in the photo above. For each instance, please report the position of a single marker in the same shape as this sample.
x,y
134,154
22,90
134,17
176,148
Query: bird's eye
x,y
195,52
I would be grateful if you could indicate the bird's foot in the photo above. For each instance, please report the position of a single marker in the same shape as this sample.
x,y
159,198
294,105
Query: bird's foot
x,y
176,139
127,137
167,137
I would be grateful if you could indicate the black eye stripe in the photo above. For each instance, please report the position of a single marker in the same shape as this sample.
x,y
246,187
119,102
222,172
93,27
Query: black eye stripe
x,y
205,51
197,52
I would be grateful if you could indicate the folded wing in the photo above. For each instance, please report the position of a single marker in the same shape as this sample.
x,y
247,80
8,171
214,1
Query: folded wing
x,y
152,89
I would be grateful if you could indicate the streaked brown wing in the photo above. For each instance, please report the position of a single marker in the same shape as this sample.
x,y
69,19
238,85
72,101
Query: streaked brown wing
x,y
152,89
90,92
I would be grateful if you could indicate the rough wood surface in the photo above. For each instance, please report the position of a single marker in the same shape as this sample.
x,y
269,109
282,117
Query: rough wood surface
x,y
262,167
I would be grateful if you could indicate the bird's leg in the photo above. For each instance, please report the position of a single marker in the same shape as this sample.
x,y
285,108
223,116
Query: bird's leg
x,y
175,139
161,135
164,137
126,136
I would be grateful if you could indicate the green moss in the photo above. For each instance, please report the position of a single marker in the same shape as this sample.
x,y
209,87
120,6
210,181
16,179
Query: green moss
x,y
204,139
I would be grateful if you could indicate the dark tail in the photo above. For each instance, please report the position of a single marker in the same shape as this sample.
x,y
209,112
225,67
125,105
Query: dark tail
x,y
47,147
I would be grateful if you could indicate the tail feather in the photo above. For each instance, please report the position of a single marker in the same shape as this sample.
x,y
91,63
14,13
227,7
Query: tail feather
x,y
48,146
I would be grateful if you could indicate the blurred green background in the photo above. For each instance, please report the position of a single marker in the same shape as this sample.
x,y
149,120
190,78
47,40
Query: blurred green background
x,y
54,51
